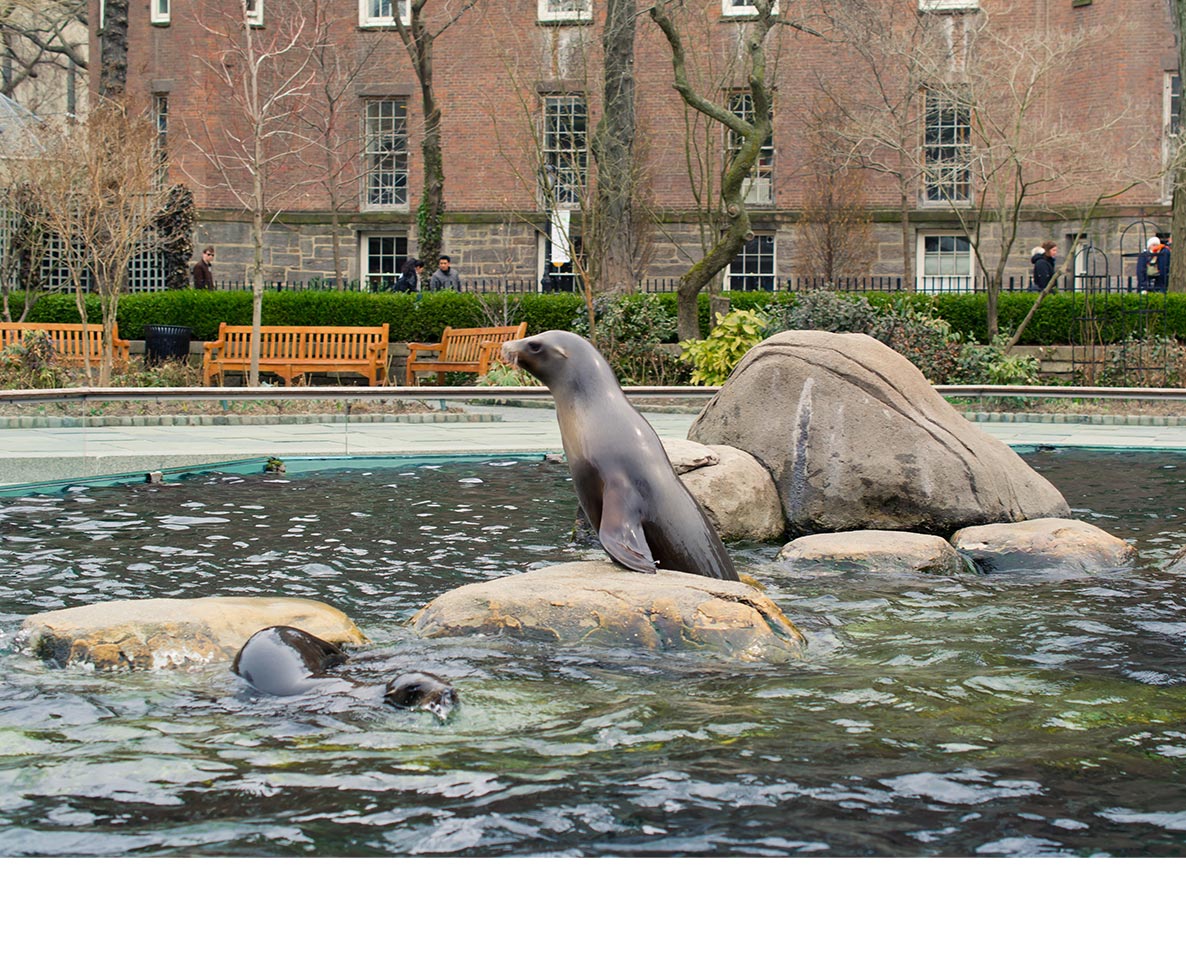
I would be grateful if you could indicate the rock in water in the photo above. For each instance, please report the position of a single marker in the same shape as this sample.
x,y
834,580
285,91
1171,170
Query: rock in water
x,y
596,602
163,633
1061,544
872,551
857,438
734,489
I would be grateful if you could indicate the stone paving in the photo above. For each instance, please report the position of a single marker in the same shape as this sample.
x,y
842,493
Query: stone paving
x,y
49,454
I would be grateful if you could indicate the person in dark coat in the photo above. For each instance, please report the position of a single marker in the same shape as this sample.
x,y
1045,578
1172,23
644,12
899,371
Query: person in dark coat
x,y
1043,263
409,277
1153,267
203,274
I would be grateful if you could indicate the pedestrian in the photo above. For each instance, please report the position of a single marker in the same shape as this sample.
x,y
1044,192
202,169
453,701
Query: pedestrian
x,y
1043,266
203,275
445,278
409,277
1153,266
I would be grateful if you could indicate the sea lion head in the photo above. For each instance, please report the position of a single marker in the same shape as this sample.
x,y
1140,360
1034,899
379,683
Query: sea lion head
x,y
544,355
418,691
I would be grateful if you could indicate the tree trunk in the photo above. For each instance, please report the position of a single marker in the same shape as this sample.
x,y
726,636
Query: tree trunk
x,y
1177,280
993,288
113,43
257,278
614,247
907,238
430,217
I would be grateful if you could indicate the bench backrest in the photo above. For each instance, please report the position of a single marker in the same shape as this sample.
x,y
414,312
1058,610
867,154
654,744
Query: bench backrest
x,y
305,343
67,338
466,343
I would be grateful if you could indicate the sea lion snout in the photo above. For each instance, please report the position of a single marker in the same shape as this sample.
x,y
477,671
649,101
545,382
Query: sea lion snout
x,y
418,691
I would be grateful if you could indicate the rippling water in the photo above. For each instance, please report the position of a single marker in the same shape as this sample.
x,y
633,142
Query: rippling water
x,y
1021,714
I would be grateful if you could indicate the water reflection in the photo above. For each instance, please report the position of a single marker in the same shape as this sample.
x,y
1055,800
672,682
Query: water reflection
x,y
1017,715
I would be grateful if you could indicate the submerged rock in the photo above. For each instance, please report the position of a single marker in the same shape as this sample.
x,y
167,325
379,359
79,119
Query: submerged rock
x,y
1178,563
1065,544
598,602
733,487
872,551
857,438
161,633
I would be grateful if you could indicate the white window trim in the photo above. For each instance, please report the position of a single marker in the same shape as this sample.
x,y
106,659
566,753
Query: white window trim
x,y
773,237
545,14
948,6
366,20
731,8
1167,139
942,284
255,17
364,239
157,15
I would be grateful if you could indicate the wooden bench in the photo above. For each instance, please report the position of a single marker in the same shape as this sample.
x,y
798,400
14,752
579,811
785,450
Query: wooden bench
x,y
291,352
461,350
68,340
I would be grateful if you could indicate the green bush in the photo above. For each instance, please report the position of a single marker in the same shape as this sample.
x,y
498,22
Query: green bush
x,y
714,357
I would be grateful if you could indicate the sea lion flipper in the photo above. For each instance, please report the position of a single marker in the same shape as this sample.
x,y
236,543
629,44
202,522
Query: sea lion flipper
x,y
622,537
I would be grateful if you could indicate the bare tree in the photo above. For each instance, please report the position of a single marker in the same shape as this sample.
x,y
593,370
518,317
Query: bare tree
x,y
751,135
40,38
262,77
419,37
102,195
1177,280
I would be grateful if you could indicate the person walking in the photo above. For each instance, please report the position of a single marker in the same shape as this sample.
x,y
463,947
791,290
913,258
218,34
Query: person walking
x,y
409,277
203,274
1043,266
1153,267
445,278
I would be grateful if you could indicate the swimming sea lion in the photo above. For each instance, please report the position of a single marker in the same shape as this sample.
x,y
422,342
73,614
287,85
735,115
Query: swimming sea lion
x,y
419,691
644,515
284,660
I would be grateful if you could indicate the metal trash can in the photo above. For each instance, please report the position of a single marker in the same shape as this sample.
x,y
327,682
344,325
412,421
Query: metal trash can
x,y
166,343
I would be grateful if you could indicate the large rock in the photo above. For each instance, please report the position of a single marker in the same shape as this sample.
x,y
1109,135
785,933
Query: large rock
x,y
734,488
161,633
872,551
856,438
600,602
1062,544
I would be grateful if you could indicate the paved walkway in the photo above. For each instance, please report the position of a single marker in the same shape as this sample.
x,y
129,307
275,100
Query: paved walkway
x,y
49,454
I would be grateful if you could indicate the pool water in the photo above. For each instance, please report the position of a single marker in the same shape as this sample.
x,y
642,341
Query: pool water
x,y
1007,715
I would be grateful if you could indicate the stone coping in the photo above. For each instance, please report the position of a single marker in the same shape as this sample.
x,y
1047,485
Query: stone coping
x,y
1027,417
197,420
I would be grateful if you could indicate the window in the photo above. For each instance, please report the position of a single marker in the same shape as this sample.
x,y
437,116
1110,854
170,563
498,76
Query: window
x,y
739,8
947,174
948,6
381,13
753,267
159,12
160,113
944,264
565,149
382,257
565,11
759,186
385,151
1172,98
254,11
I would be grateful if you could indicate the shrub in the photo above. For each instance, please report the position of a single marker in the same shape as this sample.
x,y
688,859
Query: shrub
x,y
630,333
31,363
714,357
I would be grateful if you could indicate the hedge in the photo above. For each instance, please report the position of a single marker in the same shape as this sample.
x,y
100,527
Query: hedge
x,y
1059,319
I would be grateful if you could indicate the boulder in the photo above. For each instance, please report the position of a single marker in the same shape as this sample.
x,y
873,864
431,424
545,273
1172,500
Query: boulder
x,y
162,633
602,603
734,488
872,551
856,438
1062,544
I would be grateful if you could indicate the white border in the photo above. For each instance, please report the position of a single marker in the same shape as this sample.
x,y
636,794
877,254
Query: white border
x,y
160,18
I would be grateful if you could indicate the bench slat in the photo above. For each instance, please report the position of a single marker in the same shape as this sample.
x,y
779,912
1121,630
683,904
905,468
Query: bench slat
x,y
68,340
464,350
291,352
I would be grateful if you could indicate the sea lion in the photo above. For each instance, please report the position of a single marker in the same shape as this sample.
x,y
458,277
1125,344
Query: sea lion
x,y
644,515
419,691
284,660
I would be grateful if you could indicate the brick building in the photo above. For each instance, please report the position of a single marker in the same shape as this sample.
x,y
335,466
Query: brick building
x,y
519,83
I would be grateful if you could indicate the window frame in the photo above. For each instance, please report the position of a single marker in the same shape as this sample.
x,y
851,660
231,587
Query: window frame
x,y
569,163
373,159
754,280
948,6
253,10
946,162
1169,129
366,277
366,19
732,9
545,15
944,282
156,16
760,181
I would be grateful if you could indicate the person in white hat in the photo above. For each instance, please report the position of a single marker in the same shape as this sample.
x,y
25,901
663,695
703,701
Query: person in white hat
x,y
1153,266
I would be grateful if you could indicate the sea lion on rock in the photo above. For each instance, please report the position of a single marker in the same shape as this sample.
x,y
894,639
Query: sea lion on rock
x,y
644,515
418,691
284,660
